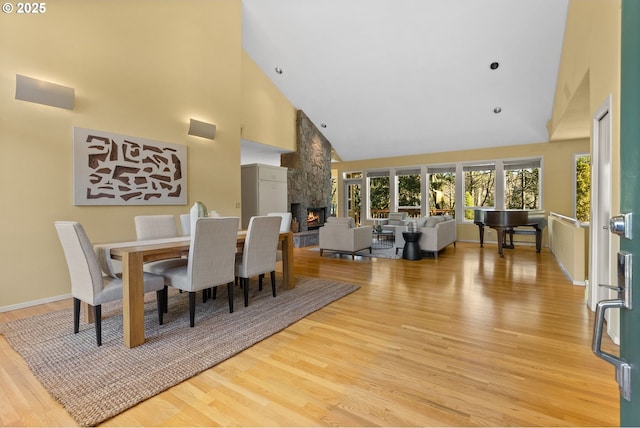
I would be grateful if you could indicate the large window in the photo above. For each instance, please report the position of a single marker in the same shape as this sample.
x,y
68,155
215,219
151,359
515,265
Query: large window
x,y
442,190
408,194
522,184
379,193
479,187
456,189
582,169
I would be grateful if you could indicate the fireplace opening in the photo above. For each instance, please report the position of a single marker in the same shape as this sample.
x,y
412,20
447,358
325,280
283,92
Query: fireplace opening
x,y
316,217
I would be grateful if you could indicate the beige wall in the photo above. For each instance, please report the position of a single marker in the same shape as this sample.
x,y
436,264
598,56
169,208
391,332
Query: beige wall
x,y
557,171
143,69
590,71
267,116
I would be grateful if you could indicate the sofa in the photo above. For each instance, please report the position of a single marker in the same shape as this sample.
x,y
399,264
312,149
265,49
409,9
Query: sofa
x,y
438,232
340,234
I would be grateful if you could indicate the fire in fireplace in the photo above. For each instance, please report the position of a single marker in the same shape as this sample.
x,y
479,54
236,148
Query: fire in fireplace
x,y
316,217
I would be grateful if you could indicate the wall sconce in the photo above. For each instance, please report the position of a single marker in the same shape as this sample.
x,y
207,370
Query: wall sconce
x,y
43,92
202,129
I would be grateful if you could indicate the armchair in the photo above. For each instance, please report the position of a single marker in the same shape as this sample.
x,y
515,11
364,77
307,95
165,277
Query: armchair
x,y
394,220
340,234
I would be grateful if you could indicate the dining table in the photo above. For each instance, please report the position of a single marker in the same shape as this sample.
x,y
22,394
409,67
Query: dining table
x,y
133,255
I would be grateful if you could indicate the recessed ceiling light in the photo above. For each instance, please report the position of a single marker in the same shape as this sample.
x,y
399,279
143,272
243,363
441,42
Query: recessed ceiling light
x,y
497,110
323,125
494,65
278,70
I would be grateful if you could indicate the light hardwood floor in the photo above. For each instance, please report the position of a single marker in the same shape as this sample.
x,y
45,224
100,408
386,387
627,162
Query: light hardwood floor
x,y
468,339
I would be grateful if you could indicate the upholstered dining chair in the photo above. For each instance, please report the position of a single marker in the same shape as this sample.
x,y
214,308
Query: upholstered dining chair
x,y
285,226
211,260
88,283
259,253
185,221
158,227
155,226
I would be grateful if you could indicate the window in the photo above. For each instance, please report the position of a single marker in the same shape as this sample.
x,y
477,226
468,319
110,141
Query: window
x,y
409,195
582,183
379,193
442,190
522,184
479,187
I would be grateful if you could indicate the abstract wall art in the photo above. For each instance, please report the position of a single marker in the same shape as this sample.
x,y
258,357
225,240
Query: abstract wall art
x,y
114,169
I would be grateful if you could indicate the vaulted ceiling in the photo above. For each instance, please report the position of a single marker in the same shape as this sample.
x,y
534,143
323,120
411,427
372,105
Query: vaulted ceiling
x,y
385,78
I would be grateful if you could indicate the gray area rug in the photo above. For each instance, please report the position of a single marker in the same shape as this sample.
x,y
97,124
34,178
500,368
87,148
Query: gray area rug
x,y
96,383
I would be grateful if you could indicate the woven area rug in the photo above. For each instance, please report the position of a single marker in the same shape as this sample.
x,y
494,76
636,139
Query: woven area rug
x,y
96,383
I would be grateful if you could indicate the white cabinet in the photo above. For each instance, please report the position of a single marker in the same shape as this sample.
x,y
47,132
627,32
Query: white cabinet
x,y
264,190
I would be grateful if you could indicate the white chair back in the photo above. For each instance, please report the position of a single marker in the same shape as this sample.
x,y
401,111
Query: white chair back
x,y
212,252
185,224
84,268
285,225
260,246
155,227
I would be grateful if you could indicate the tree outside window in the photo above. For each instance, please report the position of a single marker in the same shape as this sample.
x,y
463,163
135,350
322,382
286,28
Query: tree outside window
x,y
479,185
442,190
379,194
522,184
409,193
583,187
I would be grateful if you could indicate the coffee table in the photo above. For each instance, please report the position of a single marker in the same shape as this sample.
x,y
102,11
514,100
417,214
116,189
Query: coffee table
x,y
382,239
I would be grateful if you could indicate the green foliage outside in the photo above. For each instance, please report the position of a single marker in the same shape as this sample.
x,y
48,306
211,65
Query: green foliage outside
x,y
583,188
409,191
379,195
442,193
522,189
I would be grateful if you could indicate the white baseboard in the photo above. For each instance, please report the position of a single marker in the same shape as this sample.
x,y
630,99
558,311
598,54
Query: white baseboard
x,y
34,303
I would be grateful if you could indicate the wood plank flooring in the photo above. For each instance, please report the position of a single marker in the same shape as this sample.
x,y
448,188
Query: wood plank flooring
x,y
468,339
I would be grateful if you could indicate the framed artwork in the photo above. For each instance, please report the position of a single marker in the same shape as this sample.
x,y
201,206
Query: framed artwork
x,y
114,169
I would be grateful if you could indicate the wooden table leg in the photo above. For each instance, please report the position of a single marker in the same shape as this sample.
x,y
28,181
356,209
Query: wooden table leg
x,y
132,299
87,311
287,261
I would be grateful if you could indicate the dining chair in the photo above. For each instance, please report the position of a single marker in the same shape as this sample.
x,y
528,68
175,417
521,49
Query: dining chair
x,y
155,226
185,221
210,262
88,283
158,227
285,226
259,253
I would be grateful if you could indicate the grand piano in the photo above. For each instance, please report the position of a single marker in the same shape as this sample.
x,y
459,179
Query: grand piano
x,y
505,222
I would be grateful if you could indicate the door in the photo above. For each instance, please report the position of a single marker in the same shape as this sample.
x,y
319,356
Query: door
x,y
351,199
630,199
600,251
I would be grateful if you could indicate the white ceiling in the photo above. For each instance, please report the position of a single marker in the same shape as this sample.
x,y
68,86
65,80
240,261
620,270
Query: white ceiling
x,y
403,77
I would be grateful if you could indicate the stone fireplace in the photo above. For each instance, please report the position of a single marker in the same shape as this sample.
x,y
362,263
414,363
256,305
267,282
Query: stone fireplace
x,y
308,175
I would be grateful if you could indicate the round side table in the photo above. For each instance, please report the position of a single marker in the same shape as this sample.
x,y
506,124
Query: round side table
x,y
411,250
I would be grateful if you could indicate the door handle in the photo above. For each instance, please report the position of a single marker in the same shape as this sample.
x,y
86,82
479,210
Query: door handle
x,y
623,369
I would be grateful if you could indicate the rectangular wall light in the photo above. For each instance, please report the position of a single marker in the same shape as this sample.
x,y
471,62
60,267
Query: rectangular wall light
x,y
202,129
42,92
